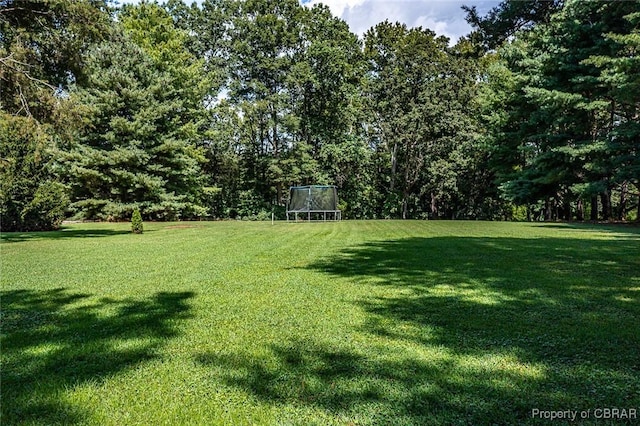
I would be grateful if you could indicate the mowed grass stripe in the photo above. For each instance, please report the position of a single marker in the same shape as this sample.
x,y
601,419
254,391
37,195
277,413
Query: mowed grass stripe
x,y
372,322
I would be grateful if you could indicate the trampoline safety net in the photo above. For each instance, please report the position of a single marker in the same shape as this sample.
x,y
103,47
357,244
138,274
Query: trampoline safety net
x,y
314,202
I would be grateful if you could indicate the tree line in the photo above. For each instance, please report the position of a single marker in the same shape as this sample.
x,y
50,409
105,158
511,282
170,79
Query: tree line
x,y
214,110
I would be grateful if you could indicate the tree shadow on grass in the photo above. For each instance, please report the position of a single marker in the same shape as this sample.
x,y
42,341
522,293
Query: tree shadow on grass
x,y
64,233
467,331
626,229
372,386
53,340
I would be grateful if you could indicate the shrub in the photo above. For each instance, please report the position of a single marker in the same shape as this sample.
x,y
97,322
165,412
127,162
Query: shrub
x,y
263,215
136,221
47,208
30,197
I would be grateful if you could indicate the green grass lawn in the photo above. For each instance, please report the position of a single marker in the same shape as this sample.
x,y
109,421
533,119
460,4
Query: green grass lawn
x,y
373,322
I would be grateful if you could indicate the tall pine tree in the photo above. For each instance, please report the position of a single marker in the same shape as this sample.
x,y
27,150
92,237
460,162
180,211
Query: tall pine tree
x,y
137,148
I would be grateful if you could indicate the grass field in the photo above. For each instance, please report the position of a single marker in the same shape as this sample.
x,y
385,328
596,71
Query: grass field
x,y
376,322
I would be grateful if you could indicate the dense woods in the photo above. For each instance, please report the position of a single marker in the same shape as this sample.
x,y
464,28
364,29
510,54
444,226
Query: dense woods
x,y
214,110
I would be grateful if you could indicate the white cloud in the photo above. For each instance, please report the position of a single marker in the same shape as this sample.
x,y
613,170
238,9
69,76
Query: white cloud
x,y
337,6
444,17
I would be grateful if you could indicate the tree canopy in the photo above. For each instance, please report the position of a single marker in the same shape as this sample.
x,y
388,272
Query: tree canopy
x,y
213,110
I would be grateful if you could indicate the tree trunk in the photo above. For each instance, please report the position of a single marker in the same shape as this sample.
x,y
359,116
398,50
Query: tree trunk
x,y
394,166
434,206
404,206
580,210
605,197
594,208
566,211
547,210
623,201
276,153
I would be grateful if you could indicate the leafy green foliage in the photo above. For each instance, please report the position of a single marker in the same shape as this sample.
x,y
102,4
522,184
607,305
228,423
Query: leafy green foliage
x,y
290,102
41,50
214,109
30,200
136,222
139,146
560,127
425,132
47,208
40,55
510,18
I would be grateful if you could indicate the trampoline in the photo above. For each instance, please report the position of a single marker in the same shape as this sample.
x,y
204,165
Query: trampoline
x,y
313,202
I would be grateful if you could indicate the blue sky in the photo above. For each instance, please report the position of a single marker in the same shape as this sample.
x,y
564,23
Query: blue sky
x,y
445,17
